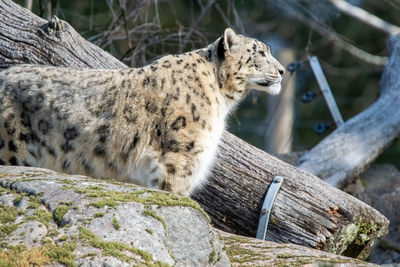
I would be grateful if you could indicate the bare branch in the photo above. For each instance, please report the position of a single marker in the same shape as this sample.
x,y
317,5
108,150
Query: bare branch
x,y
365,17
353,50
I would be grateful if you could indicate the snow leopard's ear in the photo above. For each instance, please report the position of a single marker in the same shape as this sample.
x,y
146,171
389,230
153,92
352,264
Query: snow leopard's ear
x,y
230,42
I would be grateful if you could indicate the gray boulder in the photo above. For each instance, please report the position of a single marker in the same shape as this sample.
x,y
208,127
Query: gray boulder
x,y
48,218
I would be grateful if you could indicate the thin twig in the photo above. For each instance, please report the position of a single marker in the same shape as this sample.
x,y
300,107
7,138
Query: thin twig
x,y
122,6
196,23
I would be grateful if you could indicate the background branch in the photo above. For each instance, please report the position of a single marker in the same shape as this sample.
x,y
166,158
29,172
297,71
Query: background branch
x,y
365,17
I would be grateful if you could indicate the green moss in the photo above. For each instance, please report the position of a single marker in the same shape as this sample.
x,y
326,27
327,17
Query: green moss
x,y
62,254
63,238
21,256
155,216
95,187
47,253
104,202
366,230
116,224
17,200
211,257
7,229
67,203
8,214
59,212
354,239
90,254
148,230
99,214
52,232
43,216
241,239
113,248
33,202
239,254
145,196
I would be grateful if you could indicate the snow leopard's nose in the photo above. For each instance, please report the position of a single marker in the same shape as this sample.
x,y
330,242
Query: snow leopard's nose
x,y
281,70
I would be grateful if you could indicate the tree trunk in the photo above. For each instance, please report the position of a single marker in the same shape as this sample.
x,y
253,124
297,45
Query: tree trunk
x,y
307,211
350,149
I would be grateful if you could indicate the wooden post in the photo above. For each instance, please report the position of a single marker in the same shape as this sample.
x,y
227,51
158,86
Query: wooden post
x,y
280,111
28,4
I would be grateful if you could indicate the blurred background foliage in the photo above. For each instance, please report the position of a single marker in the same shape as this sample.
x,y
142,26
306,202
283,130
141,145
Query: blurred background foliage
x,y
140,31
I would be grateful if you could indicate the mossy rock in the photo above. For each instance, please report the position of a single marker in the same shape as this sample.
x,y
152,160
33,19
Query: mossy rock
x,y
83,220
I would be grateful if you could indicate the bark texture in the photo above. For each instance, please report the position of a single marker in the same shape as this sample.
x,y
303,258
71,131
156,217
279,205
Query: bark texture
x,y
307,211
350,149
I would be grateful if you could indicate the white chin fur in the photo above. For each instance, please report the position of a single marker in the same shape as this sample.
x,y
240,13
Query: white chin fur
x,y
273,89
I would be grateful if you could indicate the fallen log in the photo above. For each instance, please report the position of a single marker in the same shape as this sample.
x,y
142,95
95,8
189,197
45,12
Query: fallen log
x,y
350,149
307,211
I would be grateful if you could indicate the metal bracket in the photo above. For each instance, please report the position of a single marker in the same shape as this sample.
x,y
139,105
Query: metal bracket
x,y
326,90
267,206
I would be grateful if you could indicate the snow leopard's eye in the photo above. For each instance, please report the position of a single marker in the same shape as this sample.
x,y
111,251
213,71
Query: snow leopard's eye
x,y
262,53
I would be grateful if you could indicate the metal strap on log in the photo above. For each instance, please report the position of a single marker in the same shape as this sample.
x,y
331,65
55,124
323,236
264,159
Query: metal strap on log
x,y
267,206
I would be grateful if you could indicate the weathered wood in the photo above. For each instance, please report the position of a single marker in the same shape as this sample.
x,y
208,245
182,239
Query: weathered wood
x,y
307,211
350,149
243,251
27,38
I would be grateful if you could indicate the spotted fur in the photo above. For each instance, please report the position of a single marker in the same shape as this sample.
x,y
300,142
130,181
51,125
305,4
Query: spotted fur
x,y
157,126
